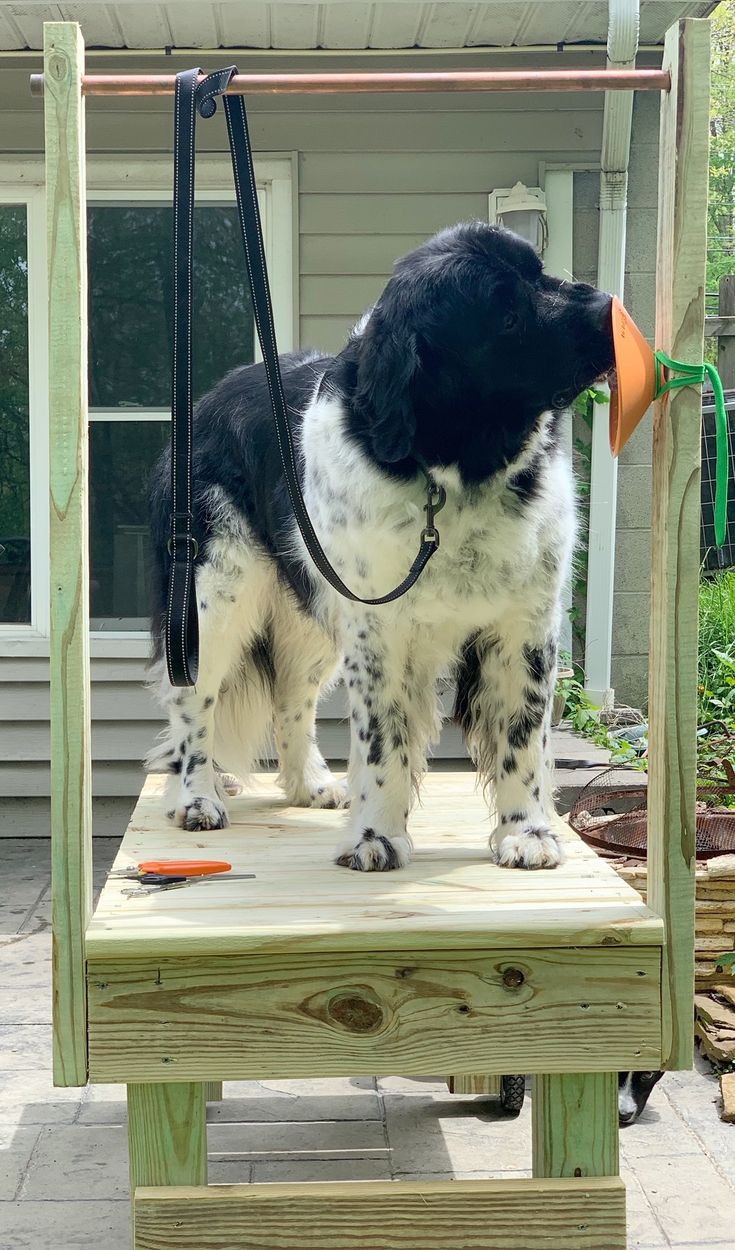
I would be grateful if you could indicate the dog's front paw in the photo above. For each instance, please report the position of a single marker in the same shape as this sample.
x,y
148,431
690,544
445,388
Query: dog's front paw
x,y
375,853
526,846
202,812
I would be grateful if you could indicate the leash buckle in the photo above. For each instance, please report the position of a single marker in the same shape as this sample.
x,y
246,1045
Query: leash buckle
x,y
185,520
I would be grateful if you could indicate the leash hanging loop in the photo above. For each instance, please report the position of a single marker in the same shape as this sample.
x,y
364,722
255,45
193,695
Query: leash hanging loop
x,y
182,624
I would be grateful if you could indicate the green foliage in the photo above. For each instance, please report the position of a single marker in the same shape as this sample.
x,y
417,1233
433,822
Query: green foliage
x,y
584,717
716,677
721,226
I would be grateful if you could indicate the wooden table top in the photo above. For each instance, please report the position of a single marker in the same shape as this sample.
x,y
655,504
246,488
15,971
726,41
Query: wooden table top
x,y
450,896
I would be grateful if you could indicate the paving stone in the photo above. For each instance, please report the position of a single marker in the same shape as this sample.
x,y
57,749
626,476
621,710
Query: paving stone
x,y
658,1131
65,1225
689,1198
78,1158
696,1100
18,903
38,919
512,1174
335,1098
25,979
16,1147
21,857
643,1227
29,1097
25,1046
318,1140
443,1134
103,1104
421,1085
303,1170
229,1172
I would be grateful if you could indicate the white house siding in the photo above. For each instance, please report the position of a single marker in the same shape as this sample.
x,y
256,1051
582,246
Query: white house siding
x,y
375,176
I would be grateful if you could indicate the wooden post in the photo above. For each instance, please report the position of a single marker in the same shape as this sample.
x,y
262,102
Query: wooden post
x,y
725,341
71,812
575,1124
213,1091
167,1134
672,698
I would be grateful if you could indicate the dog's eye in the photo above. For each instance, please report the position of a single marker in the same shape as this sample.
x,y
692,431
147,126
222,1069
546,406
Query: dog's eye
x,y
648,1077
562,399
510,321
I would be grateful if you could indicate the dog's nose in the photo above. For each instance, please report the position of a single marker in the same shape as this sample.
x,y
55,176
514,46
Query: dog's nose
x,y
626,1117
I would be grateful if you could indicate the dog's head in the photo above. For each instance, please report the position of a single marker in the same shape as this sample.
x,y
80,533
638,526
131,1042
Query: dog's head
x,y
634,1089
469,344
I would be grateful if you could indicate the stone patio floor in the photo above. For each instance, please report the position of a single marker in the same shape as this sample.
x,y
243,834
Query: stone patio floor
x,y
63,1157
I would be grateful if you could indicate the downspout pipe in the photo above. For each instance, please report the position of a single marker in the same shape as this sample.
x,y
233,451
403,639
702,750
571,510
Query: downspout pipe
x,y
622,47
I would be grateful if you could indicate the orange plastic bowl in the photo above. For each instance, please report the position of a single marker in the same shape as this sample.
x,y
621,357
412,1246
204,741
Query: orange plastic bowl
x,y
633,385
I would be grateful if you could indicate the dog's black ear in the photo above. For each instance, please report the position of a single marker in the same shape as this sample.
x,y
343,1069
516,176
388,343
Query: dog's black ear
x,y
387,365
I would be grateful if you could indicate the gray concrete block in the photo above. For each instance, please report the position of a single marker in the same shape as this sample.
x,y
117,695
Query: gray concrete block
x,y
633,561
638,449
630,679
630,624
634,497
642,177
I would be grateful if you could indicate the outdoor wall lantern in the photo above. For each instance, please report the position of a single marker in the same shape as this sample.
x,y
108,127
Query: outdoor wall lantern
x,y
523,210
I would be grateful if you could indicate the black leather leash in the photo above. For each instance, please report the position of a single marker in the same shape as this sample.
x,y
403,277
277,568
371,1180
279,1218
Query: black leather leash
x,y
182,625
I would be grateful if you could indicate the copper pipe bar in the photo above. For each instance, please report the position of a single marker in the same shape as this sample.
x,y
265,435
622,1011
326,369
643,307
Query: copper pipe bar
x,y
327,83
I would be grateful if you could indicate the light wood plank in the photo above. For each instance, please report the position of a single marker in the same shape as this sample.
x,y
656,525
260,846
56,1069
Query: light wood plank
x,y
276,1016
71,810
167,1134
575,1124
476,1215
672,699
450,896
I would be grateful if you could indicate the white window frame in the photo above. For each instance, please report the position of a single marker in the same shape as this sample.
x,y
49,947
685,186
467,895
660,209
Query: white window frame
x,y
120,181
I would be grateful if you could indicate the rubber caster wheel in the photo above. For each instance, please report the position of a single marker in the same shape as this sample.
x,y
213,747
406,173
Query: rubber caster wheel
x,y
512,1094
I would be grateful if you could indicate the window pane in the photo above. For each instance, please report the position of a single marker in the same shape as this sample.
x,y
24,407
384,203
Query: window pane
x,y
130,302
15,507
121,454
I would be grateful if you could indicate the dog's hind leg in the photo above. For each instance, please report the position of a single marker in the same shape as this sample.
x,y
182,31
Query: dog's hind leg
x,y
232,600
305,659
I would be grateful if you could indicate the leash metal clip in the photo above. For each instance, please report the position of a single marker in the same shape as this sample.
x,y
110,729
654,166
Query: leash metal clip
x,y
436,497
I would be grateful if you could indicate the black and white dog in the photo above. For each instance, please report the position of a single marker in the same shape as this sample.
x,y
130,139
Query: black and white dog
x,y
464,364
634,1090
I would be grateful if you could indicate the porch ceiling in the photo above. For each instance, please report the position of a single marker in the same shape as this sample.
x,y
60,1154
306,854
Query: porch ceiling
x,y
335,24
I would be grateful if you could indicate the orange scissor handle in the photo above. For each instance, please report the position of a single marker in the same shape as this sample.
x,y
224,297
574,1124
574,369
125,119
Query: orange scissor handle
x,y
185,867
